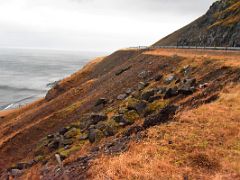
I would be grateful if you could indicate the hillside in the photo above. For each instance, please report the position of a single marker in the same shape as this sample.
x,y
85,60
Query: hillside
x,y
177,109
220,26
137,113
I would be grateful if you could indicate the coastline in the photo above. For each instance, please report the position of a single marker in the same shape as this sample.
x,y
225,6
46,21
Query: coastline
x,y
19,103
18,110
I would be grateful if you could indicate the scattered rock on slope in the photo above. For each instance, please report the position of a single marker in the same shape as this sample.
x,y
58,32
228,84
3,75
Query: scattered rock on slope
x,y
165,115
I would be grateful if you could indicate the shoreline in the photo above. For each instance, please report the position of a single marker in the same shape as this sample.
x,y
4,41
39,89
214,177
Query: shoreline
x,y
19,103
6,112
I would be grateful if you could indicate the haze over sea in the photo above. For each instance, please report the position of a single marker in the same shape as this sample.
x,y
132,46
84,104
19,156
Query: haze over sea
x,y
26,73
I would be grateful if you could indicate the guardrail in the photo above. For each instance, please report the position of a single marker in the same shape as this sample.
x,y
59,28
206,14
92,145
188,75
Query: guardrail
x,y
185,47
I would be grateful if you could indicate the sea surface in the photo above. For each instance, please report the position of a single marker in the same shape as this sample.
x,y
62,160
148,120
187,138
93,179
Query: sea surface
x,y
26,75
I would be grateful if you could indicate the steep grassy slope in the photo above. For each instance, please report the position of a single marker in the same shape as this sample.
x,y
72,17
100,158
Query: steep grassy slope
x,y
220,26
162,83
69,100
202,143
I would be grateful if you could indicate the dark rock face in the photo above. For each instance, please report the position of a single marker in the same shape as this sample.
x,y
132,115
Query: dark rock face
x,y
21,166
139,107
83,137
165,115
220,27
53,92
55,144
187,87
154,98
67,142
101,101
16,172
122,120
171,92
52,84
121,96
108,131
63,131
169,79
146,95
133,130
69,134
95,118
185,90
128,91
158,77
117,146
144,74
95,135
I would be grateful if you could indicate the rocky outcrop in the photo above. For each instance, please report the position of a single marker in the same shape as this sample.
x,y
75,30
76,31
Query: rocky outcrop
x,y
220,26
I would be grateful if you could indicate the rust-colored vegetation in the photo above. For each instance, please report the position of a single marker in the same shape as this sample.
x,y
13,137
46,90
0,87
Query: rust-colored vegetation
x,y
200,141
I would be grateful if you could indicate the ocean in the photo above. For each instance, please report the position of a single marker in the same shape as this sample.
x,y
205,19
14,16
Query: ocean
x,y
26,74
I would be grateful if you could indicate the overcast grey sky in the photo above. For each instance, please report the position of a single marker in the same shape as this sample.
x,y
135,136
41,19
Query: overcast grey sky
x,y
96,25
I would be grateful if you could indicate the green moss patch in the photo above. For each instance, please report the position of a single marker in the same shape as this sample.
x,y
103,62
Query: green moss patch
x,y
157,105
66,152
72,133
131,116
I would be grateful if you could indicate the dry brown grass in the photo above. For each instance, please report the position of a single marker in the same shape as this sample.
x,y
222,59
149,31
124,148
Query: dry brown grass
x,y
228,58
97,79
32,174
203,143
143,161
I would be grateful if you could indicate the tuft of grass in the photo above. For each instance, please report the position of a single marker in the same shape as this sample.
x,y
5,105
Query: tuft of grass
x,y
201,160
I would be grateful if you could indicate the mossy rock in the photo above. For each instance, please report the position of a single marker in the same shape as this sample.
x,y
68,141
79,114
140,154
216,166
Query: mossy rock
x,y
66,152
130,102
156,105
131,116
109,131
74,125
136,94
84,123
112,123
39,158
101,125
147,94
67,142
111,127
82,136
135,104
72,133
122,110
95,135
109,110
